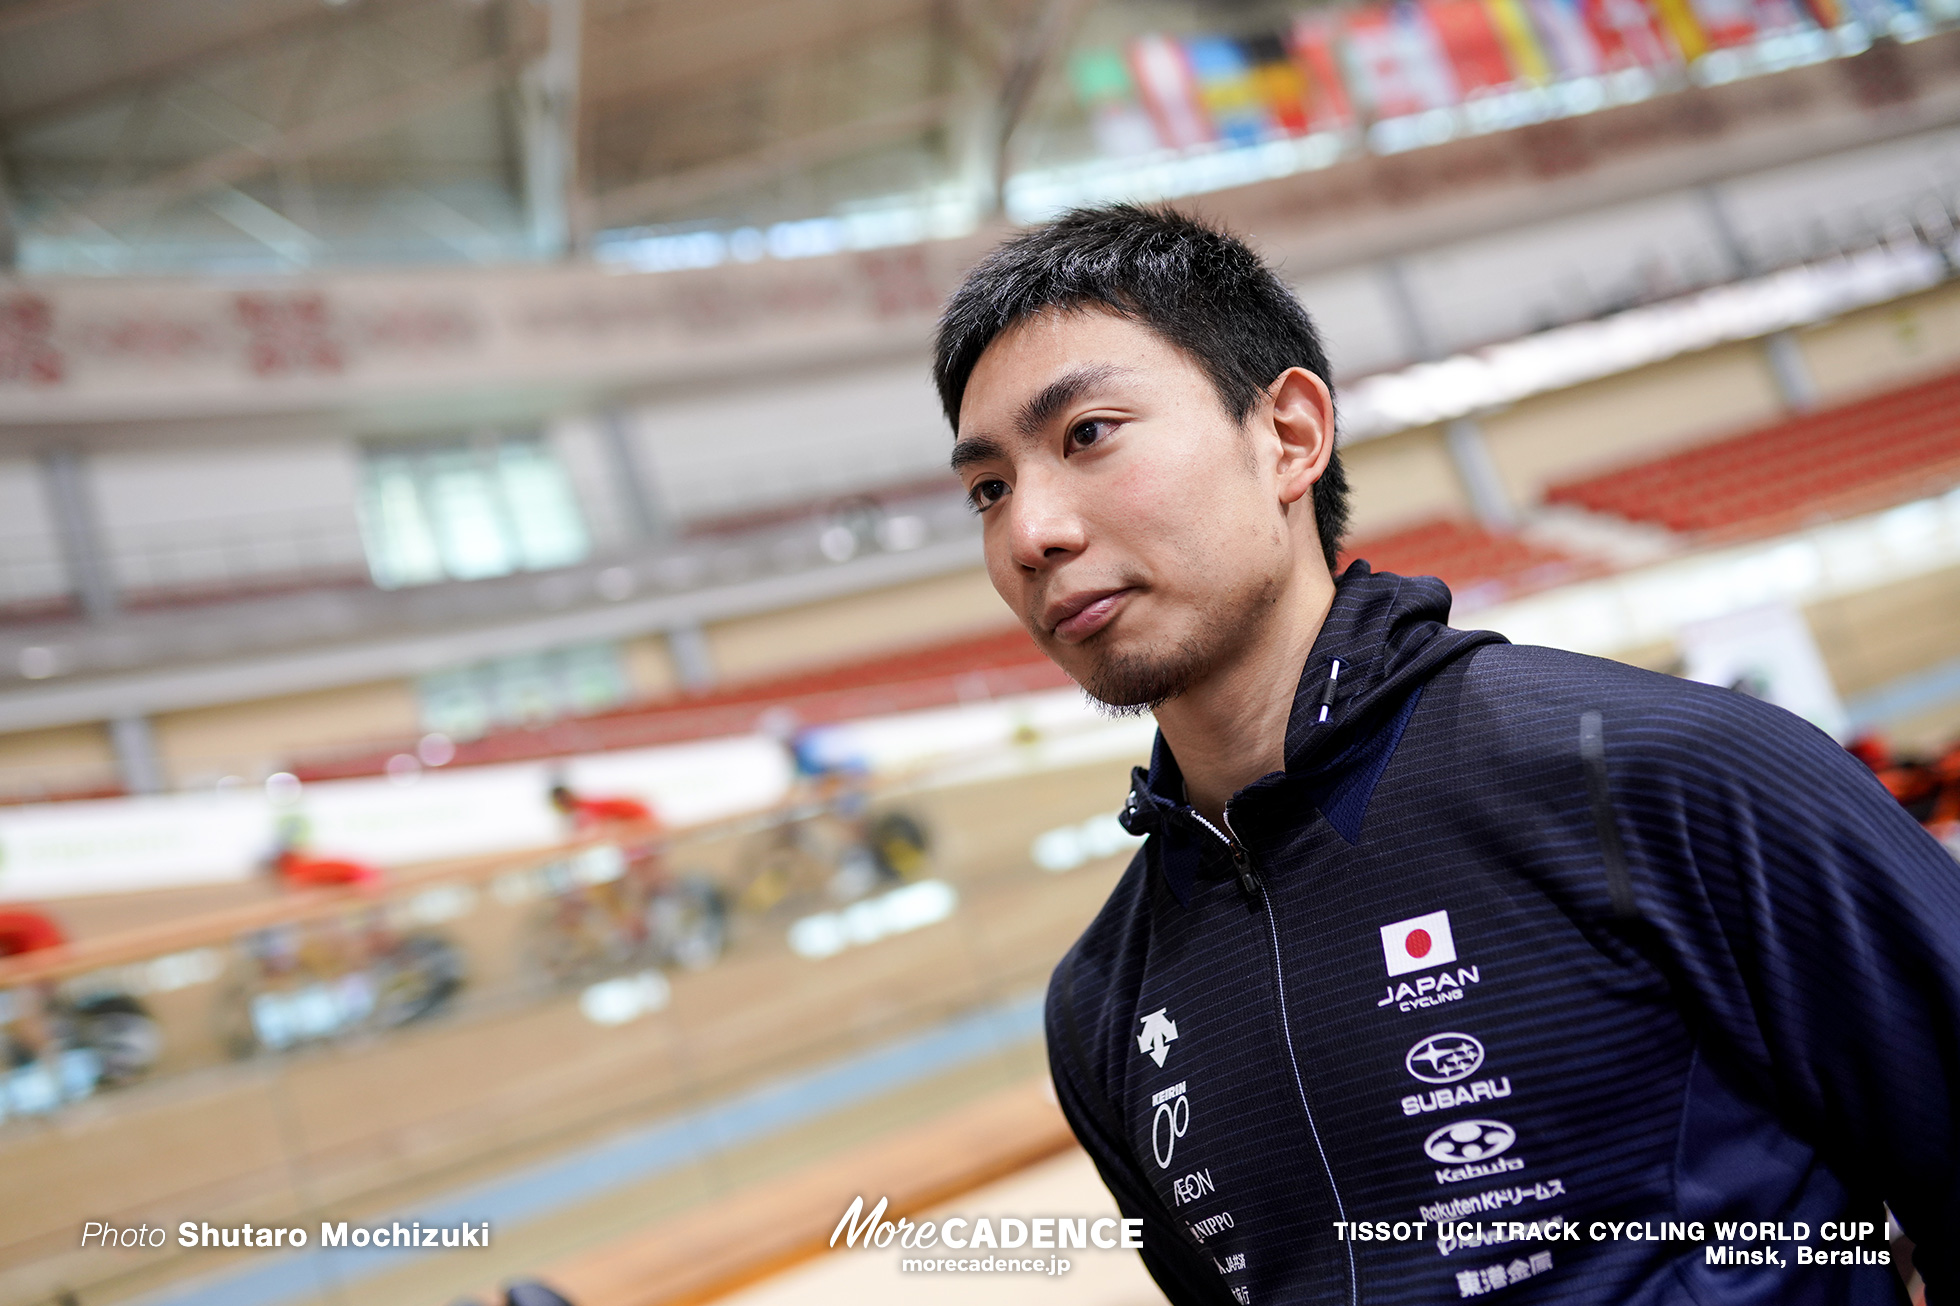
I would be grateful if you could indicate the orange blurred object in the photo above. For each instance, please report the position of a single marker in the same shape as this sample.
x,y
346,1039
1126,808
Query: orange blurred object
x,y
28,931
596,813
300,871
1872,750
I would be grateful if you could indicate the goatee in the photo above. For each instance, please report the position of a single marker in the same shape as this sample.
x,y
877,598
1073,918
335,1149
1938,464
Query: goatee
x,y
1129,684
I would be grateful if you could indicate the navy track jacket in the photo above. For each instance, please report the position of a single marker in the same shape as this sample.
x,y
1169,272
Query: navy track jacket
x,y
1519,936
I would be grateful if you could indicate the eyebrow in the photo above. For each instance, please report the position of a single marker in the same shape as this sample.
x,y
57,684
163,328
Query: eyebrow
x,y
1038,411
1060,393
975,449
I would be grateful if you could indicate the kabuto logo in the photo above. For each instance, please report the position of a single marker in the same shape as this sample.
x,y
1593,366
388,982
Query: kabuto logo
x,y
1159,1032
1444,1058
1468,1141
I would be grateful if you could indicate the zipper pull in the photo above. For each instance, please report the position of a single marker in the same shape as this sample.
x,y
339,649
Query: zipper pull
x,y
1249,883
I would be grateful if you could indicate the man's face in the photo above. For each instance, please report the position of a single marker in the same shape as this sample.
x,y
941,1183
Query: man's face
x,y
1135,527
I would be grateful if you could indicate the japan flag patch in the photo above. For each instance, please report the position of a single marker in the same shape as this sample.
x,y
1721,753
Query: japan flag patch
x,y
1418,943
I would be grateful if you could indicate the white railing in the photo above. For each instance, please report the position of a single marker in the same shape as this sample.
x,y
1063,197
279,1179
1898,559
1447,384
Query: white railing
x,y
216,554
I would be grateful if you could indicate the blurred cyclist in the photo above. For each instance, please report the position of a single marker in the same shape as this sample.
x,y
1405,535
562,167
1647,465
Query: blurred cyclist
x,y
589,814
299,869
23,930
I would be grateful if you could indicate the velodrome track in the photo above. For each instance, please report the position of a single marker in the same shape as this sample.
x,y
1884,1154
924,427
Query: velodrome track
x,y
512,1082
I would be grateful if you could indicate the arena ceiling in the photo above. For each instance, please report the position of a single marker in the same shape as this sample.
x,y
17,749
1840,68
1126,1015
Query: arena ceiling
x,y
168,135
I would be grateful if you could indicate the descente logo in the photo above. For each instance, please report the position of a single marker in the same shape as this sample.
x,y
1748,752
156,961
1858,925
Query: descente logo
x,y
960,1233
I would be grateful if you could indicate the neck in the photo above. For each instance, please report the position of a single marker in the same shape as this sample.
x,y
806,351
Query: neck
x,y
1229,729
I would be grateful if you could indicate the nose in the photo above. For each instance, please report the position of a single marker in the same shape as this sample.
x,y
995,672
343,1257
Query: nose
x,y
1044,525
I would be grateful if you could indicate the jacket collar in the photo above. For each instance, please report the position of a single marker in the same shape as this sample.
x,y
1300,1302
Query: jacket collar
x,y
1383,638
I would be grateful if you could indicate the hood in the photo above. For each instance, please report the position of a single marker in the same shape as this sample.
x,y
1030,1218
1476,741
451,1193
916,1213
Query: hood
x,y
1383,638
1389,634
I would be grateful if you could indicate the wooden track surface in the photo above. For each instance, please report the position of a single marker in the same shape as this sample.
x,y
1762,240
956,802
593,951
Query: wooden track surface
x,y
358,1128
213,927
222,926
760,1230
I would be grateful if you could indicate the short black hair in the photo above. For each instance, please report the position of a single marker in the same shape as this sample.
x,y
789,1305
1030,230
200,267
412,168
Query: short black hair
x,y
1200,289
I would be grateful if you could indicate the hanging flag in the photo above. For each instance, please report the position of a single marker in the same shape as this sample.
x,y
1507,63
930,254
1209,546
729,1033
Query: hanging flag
x,y
1396,62
1423,55
1520,40
1565,37
1464,28
1282,89
1826,14
1103,87
1374,65
1726,23
1678,16
1227,90
1780,16
1629,35
1170,92
1314,42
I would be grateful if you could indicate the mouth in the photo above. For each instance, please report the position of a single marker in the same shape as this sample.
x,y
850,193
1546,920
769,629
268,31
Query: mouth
x,y
1079,616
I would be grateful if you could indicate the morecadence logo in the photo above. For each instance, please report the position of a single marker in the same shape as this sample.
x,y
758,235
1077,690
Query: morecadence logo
x,y
979,1239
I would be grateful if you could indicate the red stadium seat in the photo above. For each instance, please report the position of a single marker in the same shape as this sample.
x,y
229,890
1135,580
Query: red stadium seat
x,y
1854,457
1479,565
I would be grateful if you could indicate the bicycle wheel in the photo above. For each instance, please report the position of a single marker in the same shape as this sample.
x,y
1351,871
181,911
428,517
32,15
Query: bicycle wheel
x,y
122,1032
776,869
899,843
687,923
561,947
231,1017
418,977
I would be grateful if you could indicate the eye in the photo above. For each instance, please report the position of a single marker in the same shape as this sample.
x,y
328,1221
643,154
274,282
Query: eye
x,y
1089,432
985,493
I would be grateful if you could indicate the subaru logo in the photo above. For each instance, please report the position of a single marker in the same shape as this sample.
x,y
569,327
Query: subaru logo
x,y
1445,1058
1469,1140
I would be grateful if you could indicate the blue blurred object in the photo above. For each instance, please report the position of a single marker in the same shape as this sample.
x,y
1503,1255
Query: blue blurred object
x,y
1226,86
828,751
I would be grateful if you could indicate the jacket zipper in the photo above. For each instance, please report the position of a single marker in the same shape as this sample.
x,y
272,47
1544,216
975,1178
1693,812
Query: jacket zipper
x,y
1255,888
1249,882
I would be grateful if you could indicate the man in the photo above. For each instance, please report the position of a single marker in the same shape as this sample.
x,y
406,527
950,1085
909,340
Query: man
x,y
1430,931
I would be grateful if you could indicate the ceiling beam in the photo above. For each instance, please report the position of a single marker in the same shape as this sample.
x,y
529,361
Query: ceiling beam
x,y
981,37
1041,40
9,230
330,130
632,61
547,107
607,96
644,200
326,19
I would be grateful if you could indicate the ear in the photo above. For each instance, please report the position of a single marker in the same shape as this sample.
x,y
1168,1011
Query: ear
x,y
1303,418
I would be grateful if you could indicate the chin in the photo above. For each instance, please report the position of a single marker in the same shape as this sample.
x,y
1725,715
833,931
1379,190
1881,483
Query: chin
x,y
1132,681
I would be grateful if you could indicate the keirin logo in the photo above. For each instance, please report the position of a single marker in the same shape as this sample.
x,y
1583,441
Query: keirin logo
x,y
1171,1117
1444,1058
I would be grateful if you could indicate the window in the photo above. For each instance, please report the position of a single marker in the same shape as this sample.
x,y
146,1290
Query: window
x,y
528,689
467,509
